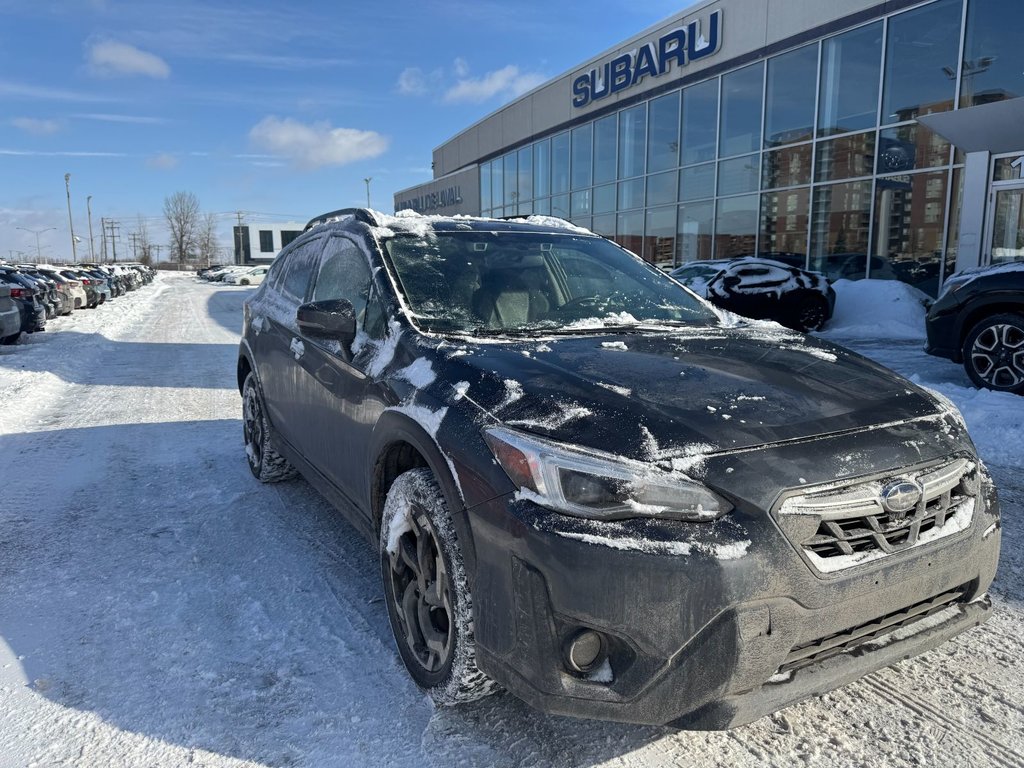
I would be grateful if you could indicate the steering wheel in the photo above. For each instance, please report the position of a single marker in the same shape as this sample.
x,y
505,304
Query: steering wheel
x,y
581,302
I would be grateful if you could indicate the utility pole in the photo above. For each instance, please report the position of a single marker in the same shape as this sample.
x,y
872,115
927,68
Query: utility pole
x,y
368,179
134,238
37,233
114,229
92,243
71,223
103,237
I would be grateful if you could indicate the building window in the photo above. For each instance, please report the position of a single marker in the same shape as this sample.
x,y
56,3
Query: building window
x,y
629,231
606,132
660,237
700,122
287,235
582,156
911,146
266,241
785,217
846,157
922,47
908,234
697,182
850,66
695,229
631,194
560,164
604,199
497,185
840,229
525,187
789,167
740,126
736,227
662,188
485,187
663,139
632,141
789,102
739,175
509,177
993,68
542,169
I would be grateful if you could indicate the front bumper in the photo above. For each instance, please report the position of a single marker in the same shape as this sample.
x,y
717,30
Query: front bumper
x,y
697,632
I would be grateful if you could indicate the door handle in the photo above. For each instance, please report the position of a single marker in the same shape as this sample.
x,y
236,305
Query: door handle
x,y
297,348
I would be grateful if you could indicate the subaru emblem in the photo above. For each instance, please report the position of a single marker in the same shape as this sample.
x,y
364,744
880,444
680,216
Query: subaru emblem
x,y
900,497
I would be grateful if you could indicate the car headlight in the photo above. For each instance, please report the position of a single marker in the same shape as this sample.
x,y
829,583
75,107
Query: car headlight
x,y
597,485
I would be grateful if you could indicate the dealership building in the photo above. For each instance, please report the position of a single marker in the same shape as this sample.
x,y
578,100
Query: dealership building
x,y
857,137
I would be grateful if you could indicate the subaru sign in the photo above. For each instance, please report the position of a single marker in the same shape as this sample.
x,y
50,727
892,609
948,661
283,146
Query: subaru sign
x,y
655,58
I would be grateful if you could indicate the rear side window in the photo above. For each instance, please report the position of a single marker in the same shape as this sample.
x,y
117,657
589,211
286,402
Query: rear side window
x,y
298,269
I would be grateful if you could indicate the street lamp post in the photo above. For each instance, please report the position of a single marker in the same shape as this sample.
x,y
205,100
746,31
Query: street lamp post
x,y
71,223
88,207
37,233
368,179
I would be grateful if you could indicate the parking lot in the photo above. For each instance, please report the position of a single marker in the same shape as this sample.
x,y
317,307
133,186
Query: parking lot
x,y
158,606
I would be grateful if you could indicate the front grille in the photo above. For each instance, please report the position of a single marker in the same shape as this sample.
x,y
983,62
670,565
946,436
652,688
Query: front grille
x,y
840,527
848,639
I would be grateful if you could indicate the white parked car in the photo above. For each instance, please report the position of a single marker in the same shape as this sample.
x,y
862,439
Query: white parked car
x,y
252,276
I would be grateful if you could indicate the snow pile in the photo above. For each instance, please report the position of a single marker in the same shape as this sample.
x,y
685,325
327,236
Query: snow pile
x,y
877,309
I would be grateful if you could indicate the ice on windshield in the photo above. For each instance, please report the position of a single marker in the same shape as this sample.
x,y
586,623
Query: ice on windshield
x,y
498,282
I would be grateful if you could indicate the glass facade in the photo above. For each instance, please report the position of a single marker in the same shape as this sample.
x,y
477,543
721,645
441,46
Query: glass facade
x,y
813,155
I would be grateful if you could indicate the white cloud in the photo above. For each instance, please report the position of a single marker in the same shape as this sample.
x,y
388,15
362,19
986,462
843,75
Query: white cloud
x,y
507,81
162,161
315,145
461,67
36,126
412,82
109,58
111,118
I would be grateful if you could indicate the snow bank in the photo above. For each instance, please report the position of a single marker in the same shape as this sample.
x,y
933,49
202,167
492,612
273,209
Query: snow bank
x,y
877,309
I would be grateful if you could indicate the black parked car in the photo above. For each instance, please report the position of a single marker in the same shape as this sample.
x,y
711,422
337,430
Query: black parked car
x,y
979,321
588,488
764,289
25,292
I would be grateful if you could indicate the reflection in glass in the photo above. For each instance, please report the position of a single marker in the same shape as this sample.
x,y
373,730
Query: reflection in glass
x,y
697,182
525,174
542,168
700,122
632,141
582,156
910,215
606,133
660,238
631,194
604,199
911,146
785,223
921,55
740,129
497,184
661,189
542,206
511,188
993,67
739,175
789,167
846,157
663,141
789,103
1008,169
695,228
953,230
840,228
850,65
560,206
580,203
560,163
485,186
629,231
736,227
1008,226
604,225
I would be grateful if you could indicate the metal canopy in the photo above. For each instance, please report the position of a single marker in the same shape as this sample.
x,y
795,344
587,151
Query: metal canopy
x,y
996,127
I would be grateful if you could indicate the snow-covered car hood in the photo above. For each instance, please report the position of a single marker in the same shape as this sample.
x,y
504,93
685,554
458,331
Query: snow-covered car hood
x,y
655,395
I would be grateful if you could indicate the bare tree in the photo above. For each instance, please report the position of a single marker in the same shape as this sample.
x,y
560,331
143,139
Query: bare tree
x,y
207,240
181,210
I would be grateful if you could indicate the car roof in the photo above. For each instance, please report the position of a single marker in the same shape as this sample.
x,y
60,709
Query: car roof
x,y
414,223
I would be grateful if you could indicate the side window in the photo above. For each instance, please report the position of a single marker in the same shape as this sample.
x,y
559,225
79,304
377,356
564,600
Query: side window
x,y
298,269
375,322
343,274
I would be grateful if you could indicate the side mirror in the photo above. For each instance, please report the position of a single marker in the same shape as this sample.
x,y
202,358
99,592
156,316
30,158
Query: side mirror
x,y
333,318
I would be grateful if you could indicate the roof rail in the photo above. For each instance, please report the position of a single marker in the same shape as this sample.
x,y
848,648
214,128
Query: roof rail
x,y
364,215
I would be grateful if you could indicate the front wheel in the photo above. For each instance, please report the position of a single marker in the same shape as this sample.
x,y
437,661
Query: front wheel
x,y
427,593
807,313
994,353
12,339
243,282
265,463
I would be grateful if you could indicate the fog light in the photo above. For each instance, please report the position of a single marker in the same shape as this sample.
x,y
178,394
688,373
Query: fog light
x,y
585,651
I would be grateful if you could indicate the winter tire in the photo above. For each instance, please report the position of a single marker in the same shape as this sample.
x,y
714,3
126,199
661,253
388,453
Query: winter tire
x,y
243,282
265,463
994,353
427,593
12,339
808,313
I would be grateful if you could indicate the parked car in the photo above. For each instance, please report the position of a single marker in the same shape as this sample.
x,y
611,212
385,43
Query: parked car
x,y
591,488
64,289
762,289
252,276
10,316
978,320
24,292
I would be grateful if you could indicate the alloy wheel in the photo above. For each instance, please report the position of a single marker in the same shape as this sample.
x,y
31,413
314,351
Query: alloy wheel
x,y
421,595
998,356
252,427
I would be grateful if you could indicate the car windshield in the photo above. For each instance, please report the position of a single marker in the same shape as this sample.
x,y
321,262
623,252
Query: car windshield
x,y
525,282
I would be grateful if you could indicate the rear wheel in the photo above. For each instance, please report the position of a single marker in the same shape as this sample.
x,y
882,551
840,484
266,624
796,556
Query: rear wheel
x,y
265,463
427,593
243,282
994,354
808,312
12,339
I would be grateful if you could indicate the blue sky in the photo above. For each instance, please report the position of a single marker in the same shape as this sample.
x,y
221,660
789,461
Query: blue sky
x,y
277,111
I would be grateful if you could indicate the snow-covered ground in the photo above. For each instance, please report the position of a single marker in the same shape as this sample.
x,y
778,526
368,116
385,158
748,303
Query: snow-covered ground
x,y
158,607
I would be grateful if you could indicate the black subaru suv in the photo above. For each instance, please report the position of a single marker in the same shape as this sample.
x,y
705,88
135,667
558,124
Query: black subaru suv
x,y
979,321
590,488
